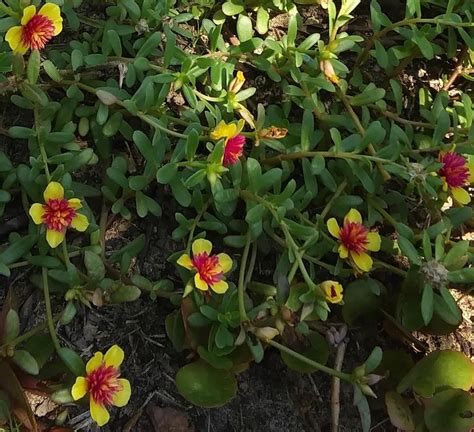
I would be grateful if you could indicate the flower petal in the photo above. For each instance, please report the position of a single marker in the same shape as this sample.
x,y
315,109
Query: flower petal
x,y
200,284
201,246
363,261
353,216
28,13
470,165
53,12
461,195
80,222
114,356
333,227
36,212
80,388
53,191
122,397
185,261
343,251
98,413
58,27
220,287
94,362
14,36
225,262
373,241
55,238
75,203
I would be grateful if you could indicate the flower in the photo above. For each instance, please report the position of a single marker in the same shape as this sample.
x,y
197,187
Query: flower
x,y
273,132
332,291
36,29
234,141
237,83
355,240
58,214
456,173
210,269
328,70
103,384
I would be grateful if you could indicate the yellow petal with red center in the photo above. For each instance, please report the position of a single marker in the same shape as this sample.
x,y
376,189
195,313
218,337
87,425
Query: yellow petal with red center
x,y
362,260
98,413
200,284
201,246
461,195
53,12
94,362
225,262
114,356
36,213
14,37
220,287
333,227
28,13
122,397
185,261
373,241
343,251
80,222
75,203
53,191
332,291
55,238
353,216
80,388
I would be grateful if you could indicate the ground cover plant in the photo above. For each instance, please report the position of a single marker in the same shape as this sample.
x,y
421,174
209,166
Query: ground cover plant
x,y
327,153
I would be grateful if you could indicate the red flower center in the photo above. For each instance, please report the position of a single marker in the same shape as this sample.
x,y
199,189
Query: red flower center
x,y
208,268
353,236
454,170
37,32
233,150
58,214
333,292
103,384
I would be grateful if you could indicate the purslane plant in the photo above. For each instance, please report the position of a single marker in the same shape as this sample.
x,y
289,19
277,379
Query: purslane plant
x,y
265,167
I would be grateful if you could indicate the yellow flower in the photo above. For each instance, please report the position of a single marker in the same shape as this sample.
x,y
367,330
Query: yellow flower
x,y
332,291
355,240
328,70
237,83
58,214
103,384
457,172
36,29
227,131
210,269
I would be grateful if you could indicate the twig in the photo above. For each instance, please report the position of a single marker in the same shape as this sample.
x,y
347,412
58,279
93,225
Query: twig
x,y
458,70
336,387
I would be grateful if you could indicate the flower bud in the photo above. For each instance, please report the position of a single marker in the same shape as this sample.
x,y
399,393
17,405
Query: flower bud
x,y
364,388
266,333
374,379
332,291
237,83
328,70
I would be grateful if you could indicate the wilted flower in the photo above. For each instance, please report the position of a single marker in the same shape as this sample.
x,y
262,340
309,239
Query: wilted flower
x,y
210,269
355,240
456,173
36,29
273,132
234,141
58,214
332,291
328,70
237,83
103,385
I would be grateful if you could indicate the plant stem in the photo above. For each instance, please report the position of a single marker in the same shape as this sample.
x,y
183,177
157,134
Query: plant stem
x,y
241,286
390,267
338,192
42,149
344,376
67,261
27,263
8,10
49,314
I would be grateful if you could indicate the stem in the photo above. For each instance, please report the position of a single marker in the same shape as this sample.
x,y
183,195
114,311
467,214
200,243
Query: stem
x,y
385,214
360,128
8,10
344,376
336,388
67,261
42,149
49,314
194,225
390,267
27,263
241,286
338,192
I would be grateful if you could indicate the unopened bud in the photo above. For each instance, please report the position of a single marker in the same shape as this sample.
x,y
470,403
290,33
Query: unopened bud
x,y
374,379
328,70
364,388
237,83
266,333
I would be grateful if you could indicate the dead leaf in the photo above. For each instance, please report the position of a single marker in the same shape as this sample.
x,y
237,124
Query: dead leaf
x,y
169,419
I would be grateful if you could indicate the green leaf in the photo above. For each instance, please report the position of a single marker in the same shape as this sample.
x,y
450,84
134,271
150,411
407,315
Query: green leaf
x,y
374,360
26,361
244,28
205,386
33,68
317,351
232,7
462,276
166,173
11,327
94,265
214,360
359,301
450,410
399,412
73,362
263,18
409,250
427,306
19,248
360,401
